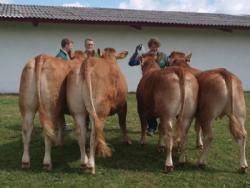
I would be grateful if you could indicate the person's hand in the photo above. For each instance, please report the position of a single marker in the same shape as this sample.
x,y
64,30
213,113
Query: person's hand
x,y
139,50
138,47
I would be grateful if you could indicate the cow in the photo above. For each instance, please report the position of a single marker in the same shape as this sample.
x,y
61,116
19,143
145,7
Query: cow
x,y
220,94
42,89
176,59
168,93
99,89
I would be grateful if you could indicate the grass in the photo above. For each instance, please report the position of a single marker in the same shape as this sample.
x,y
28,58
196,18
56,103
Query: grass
x,y
130,166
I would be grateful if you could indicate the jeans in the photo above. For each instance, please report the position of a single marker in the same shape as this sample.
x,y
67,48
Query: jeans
x,y
152,124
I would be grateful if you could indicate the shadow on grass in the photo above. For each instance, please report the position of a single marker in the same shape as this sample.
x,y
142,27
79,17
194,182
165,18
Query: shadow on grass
x,y
66,158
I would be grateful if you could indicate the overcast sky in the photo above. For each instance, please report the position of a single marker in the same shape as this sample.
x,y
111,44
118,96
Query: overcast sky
x,y
211,6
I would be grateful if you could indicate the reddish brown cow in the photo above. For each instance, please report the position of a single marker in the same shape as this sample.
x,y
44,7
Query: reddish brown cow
x,y
100,89
42,89
220,93
167,94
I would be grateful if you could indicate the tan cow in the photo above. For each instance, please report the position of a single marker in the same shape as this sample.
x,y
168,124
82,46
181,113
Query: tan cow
x,y
100,89
42,89
220,94
167,94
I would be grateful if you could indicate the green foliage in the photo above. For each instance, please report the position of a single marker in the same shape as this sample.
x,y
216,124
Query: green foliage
x,y
130,166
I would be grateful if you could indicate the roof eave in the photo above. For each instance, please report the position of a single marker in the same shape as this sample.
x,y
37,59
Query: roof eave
x,y
137,25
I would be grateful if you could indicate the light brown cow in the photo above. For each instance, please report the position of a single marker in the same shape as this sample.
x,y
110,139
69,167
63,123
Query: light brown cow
x,y
177,59
220,94
167,94
100,89
42,89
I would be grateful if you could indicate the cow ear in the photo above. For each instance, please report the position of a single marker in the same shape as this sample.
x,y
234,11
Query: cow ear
x,y
188,57
121,55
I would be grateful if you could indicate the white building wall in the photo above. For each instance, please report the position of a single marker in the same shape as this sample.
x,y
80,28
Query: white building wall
x,y
210,48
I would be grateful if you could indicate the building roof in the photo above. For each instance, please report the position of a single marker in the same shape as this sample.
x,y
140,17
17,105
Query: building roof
x,y
59,14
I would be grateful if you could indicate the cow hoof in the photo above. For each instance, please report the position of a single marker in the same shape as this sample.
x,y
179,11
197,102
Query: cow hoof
x,y
89,170
83,167
25,165
168,169
47,167
199,147
202,166
243,170
161,149
129,142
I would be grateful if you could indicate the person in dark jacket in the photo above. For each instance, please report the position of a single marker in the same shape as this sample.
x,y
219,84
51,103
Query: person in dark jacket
x,y
65,54
66,48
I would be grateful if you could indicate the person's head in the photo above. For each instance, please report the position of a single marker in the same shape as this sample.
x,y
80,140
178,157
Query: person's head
x,y
67,44
89,44
154,44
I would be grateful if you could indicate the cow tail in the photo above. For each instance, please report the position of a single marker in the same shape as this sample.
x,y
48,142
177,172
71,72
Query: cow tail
x,y
100,144
44,119
235,127
180,123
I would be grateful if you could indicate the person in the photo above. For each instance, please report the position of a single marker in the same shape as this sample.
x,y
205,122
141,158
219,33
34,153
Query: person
x,y
66,48
162,60
65,54
89,45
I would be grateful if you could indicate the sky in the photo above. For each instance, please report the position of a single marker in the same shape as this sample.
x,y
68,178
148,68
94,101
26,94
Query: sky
x,y
236,7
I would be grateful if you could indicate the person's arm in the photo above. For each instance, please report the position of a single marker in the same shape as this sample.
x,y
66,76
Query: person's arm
x,y
134,60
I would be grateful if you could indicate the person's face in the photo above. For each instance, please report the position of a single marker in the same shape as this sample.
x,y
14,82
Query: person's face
x,y
154,47
90,45
69,47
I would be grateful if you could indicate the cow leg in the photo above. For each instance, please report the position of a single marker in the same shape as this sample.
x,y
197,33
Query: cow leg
x,y
59,132
208,137
243,161
199,143
80,121
167,125
47,163
143,130
91,162
122,122
27,127
187,123
242,143
161,143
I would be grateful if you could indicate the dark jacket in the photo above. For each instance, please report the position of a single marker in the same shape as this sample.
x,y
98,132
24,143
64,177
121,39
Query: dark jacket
x,y
63,55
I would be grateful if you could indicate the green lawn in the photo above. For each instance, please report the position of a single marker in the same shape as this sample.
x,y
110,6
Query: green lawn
x,y
130,166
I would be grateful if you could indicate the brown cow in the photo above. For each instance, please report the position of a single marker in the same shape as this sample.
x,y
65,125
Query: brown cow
x,y
167,94
100,89
176,59
220,94
42,89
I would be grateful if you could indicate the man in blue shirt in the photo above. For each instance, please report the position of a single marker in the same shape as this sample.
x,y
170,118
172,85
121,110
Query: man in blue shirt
x,y
162,60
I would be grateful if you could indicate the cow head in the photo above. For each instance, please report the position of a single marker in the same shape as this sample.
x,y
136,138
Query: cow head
x,y
148,62
78,54
179,59
111,53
